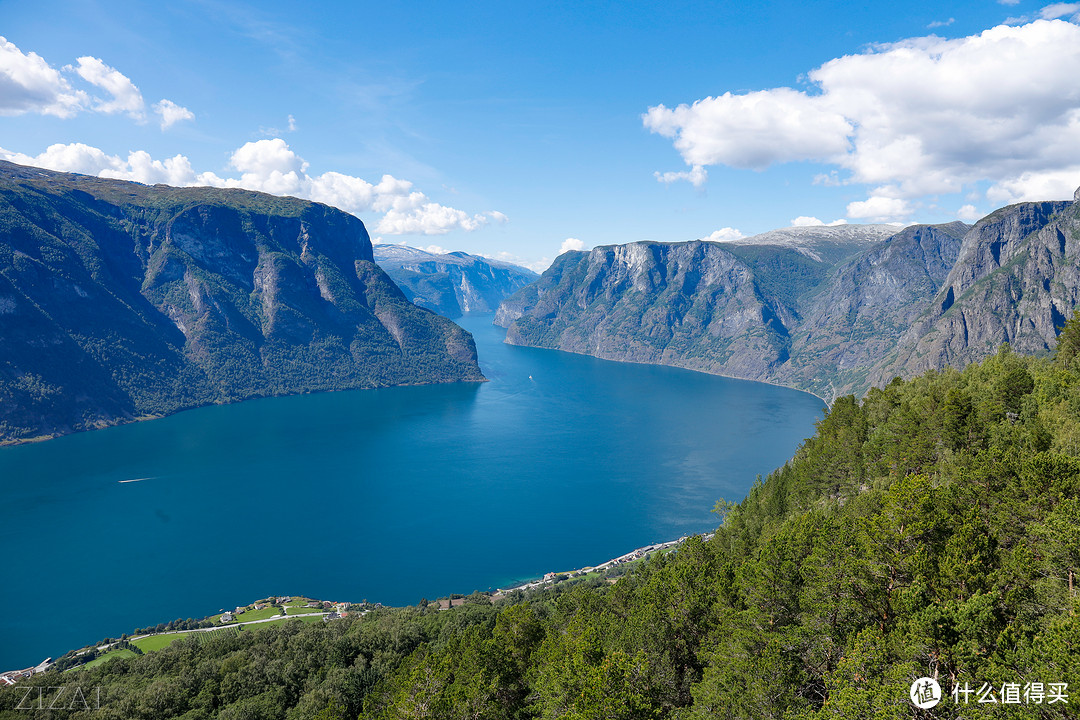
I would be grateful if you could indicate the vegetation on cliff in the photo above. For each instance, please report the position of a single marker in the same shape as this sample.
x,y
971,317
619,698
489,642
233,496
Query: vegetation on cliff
x,y
120,300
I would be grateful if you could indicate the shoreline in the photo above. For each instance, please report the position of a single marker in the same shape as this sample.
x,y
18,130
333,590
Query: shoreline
x,y
548,579
636,554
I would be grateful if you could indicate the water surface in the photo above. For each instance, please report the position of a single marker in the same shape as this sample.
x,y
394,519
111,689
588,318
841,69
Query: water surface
x,y
560,461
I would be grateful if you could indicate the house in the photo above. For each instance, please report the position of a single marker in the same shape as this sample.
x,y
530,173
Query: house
x,y
226,617
331,616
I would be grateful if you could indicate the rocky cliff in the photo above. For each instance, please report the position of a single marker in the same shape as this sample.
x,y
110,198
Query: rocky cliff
x,y
830,315
119,300
726,308
451,284
1016,280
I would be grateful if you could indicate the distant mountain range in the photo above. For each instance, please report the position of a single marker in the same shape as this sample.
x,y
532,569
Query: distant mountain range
x,y
119,300
451,284
831,310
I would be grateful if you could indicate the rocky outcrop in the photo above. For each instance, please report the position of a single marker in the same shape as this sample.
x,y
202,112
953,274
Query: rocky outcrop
x,y
861,313
1016,280
827,315
725,308
451,284
119,300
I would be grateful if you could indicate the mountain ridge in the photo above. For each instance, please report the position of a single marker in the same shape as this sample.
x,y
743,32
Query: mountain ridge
x,y
120,301
829,323
453,283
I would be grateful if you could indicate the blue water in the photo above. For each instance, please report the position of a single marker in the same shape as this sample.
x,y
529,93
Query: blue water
x,y
560,461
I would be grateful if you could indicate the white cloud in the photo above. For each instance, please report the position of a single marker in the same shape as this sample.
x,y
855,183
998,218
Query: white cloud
x,y
435,250
925,116
879,208
1057,10
941,23
537,266
1008,2
754,130
1029,186
292,124
571,244
696,176
171,113
725,234
271,166
810,221
968,213
126,98
28,84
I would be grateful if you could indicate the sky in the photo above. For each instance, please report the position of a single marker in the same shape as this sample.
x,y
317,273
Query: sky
x,y
518,130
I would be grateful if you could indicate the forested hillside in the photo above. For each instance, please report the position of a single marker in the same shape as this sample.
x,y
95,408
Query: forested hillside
x,y
931,529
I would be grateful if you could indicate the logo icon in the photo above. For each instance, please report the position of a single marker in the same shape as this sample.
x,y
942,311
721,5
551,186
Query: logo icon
x,y
925,693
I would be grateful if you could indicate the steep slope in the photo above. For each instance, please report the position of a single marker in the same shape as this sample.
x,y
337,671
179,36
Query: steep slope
x,y
727,308
1016,280
119,300
867,306
836,315
451,284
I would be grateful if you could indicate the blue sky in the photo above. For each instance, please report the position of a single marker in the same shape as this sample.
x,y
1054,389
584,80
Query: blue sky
x,y
517,129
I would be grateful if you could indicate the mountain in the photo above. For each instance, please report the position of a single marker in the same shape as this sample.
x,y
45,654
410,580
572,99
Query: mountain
x,y
861,313
454,283
830,310
1016,280
119,300
729,308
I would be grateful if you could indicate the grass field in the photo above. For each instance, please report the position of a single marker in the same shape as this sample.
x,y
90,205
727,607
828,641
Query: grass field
x,y
156,642
111,655
301,610
301,618
267,612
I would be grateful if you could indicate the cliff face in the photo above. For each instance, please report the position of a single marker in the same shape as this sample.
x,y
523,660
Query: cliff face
x,y
1016,280
816,313
863,310
119,300
725,308
451,284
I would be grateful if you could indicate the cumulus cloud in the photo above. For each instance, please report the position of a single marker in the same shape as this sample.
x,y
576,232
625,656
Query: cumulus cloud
x,y
968,213
809,221
271,166
725,234
28,84
125,97
1028,186
922,116
537,266
879,208
571,244
171,113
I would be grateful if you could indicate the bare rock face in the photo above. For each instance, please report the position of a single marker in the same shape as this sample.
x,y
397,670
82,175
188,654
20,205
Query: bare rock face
x,y
1016,280
119,300
724,308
